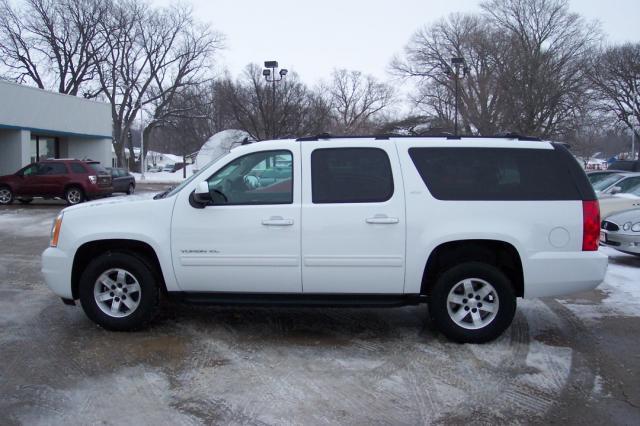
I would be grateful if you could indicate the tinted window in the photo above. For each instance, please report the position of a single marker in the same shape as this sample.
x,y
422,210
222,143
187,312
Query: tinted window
x,y
259,178
52,169
495,174
29,171
77,168
350,175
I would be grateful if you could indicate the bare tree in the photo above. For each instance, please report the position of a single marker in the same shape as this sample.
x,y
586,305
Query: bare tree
x,y
297,110
542,78
427,58
52,44
615,74
356,99
151,55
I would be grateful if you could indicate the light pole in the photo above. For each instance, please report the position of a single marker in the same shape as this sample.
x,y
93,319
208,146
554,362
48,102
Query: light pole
x,y
141,146
457,63
269,74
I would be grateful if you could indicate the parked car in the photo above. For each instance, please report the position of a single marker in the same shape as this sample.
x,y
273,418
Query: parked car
x,y
611,181
169,168
626,165
73,180
154,169
123,181
466,225
622,231
620,199
598,175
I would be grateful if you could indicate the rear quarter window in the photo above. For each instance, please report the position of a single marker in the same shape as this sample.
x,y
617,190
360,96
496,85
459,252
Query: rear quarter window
x,y
495,174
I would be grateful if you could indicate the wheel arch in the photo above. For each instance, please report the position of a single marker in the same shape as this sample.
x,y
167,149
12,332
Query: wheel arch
x,y
91,249
495,252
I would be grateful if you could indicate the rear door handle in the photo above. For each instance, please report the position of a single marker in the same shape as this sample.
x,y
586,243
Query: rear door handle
x,y
382,219
277,221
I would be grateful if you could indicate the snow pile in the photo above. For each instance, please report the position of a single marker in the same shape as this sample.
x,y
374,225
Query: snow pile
x,y
219,144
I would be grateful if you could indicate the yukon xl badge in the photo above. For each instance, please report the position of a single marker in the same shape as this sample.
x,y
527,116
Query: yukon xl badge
x,y
211,251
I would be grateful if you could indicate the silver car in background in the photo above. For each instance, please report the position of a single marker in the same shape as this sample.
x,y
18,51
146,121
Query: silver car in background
x,y
621,231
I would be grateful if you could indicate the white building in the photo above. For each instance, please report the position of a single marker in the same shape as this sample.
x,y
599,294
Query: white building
x,y
36,124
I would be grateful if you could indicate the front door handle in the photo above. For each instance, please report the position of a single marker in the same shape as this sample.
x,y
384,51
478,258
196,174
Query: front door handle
x,y
382,219
277,221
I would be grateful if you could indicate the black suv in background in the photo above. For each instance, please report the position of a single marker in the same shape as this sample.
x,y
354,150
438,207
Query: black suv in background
x,y
625,165
122,180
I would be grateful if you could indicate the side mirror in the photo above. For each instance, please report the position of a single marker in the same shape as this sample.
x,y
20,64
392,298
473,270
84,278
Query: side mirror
x,y
201,196
615,190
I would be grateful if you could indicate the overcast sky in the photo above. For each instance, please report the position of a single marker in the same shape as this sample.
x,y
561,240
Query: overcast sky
x,y
314,37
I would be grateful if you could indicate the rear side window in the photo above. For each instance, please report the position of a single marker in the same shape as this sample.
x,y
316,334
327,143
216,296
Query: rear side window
x,y
495,174
77,168
350,175
52,169
98,168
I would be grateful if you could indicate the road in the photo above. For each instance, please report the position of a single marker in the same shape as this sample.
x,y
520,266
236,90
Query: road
x,y
569,361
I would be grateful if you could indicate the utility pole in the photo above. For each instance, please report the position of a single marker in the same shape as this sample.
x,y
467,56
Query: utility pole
x,y
141,146
269,74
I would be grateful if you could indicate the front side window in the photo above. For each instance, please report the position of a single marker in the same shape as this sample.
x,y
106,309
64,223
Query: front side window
x,y
259,178
628,185
350,175
29,170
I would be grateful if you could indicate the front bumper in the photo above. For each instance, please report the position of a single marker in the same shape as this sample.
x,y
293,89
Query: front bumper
x,y
619,240
561,273
56,268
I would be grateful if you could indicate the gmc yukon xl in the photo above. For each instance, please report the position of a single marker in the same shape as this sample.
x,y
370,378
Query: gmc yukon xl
x,y
466,225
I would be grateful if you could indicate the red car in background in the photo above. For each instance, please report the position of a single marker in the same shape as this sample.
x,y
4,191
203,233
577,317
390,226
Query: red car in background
x,y
73,180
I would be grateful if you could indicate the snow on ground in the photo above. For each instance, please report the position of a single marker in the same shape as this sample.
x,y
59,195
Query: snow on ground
x,y
620,289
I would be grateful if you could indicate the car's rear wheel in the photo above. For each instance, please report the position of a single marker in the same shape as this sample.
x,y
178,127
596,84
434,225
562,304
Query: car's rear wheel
x,y
119,291
74,195
472,302
6,195
131,189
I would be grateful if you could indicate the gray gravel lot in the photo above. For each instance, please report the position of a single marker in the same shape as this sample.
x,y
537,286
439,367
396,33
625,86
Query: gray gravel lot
x,y
558,363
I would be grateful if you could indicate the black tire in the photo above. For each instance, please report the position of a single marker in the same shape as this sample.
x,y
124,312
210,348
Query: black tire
x,y
440,306
25,200
132,189
148,297
6,195
74,195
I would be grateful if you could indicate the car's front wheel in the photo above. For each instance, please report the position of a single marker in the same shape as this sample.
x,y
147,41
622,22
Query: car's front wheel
x,y
119,291
6,195
472,302
74,195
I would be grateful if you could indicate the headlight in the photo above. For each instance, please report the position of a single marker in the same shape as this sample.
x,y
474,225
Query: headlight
x,y
626,226
55,230
636,227
93,179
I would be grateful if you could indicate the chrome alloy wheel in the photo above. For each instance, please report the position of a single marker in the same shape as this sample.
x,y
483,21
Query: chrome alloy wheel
x,y
74,196
5,196
472,303
117,293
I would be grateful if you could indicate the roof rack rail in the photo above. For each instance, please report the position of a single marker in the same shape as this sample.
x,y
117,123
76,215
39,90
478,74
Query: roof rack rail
x,y
386,136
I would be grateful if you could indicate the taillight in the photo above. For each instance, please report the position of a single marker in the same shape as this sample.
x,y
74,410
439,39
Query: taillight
x,y
590,225
93,179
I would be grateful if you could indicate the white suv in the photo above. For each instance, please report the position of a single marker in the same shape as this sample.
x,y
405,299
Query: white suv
x,y
466,225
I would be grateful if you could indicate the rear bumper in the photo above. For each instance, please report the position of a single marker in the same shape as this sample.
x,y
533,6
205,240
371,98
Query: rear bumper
x,y
56,268
561,273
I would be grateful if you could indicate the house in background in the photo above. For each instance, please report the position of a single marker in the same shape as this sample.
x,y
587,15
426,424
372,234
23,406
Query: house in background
x,y
36,124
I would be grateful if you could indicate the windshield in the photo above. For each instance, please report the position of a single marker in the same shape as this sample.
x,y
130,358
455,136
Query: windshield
x,y
605,183
98,168
597,177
